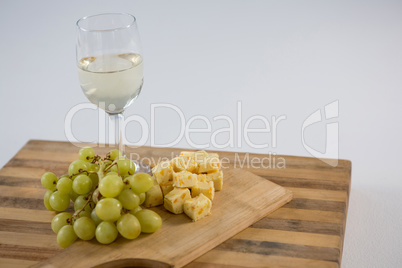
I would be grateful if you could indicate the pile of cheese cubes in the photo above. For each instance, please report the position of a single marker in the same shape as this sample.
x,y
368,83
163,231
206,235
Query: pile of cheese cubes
x,y
186,183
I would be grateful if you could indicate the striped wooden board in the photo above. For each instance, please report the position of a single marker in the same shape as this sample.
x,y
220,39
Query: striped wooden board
x,y
307,232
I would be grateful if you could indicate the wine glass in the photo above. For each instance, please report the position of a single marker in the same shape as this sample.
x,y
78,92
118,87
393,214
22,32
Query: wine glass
x,y
110,66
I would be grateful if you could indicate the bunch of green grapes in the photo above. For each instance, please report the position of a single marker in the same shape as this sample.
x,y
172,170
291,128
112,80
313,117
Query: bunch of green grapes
x,y
107,196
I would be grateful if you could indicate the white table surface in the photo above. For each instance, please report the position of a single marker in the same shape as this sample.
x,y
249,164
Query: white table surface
x,y
276,57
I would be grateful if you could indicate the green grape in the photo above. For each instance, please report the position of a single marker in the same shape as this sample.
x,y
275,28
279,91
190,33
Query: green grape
x,y
125,177
135,210
113,154
86,154
82,184
63,176
49,181
60,220
95,218
150,221
140,182
111,186
111,173
131,169
96,196
77,166
93,167
65,185
142,198
123,165
46,200
106,232
83,213
66,236
129,199
91,205
126,184
73,195
108,209
84,228
59,201
95,180
81,201
128,226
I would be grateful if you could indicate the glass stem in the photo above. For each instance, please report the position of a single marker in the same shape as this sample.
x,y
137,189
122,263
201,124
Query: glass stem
x,y
117,121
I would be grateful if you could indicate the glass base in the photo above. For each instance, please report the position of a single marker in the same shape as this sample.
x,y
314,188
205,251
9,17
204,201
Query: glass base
x,y
141,167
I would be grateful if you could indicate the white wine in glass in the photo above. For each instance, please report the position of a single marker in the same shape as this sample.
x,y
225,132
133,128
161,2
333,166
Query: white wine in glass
x,y
110,65
121,72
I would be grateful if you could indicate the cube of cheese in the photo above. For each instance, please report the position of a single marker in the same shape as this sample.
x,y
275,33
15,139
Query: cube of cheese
x,y
209,165
187,154
154,197
191,165
202,177
205,188
184,179
178,164
183,163
217,178
166,187
163,172
198,207
200,156
174,200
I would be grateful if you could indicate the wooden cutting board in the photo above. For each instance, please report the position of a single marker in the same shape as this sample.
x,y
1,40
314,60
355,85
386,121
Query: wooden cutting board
x,y
245,199
307,232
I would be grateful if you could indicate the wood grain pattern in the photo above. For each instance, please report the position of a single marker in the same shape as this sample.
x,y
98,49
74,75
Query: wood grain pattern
x,y
307,232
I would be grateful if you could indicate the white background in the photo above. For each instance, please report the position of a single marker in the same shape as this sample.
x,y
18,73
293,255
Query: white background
x,y
278,58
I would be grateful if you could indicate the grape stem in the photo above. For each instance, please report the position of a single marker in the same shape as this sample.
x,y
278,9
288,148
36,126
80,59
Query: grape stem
x,y
83,171
89,200
96,158
106,169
